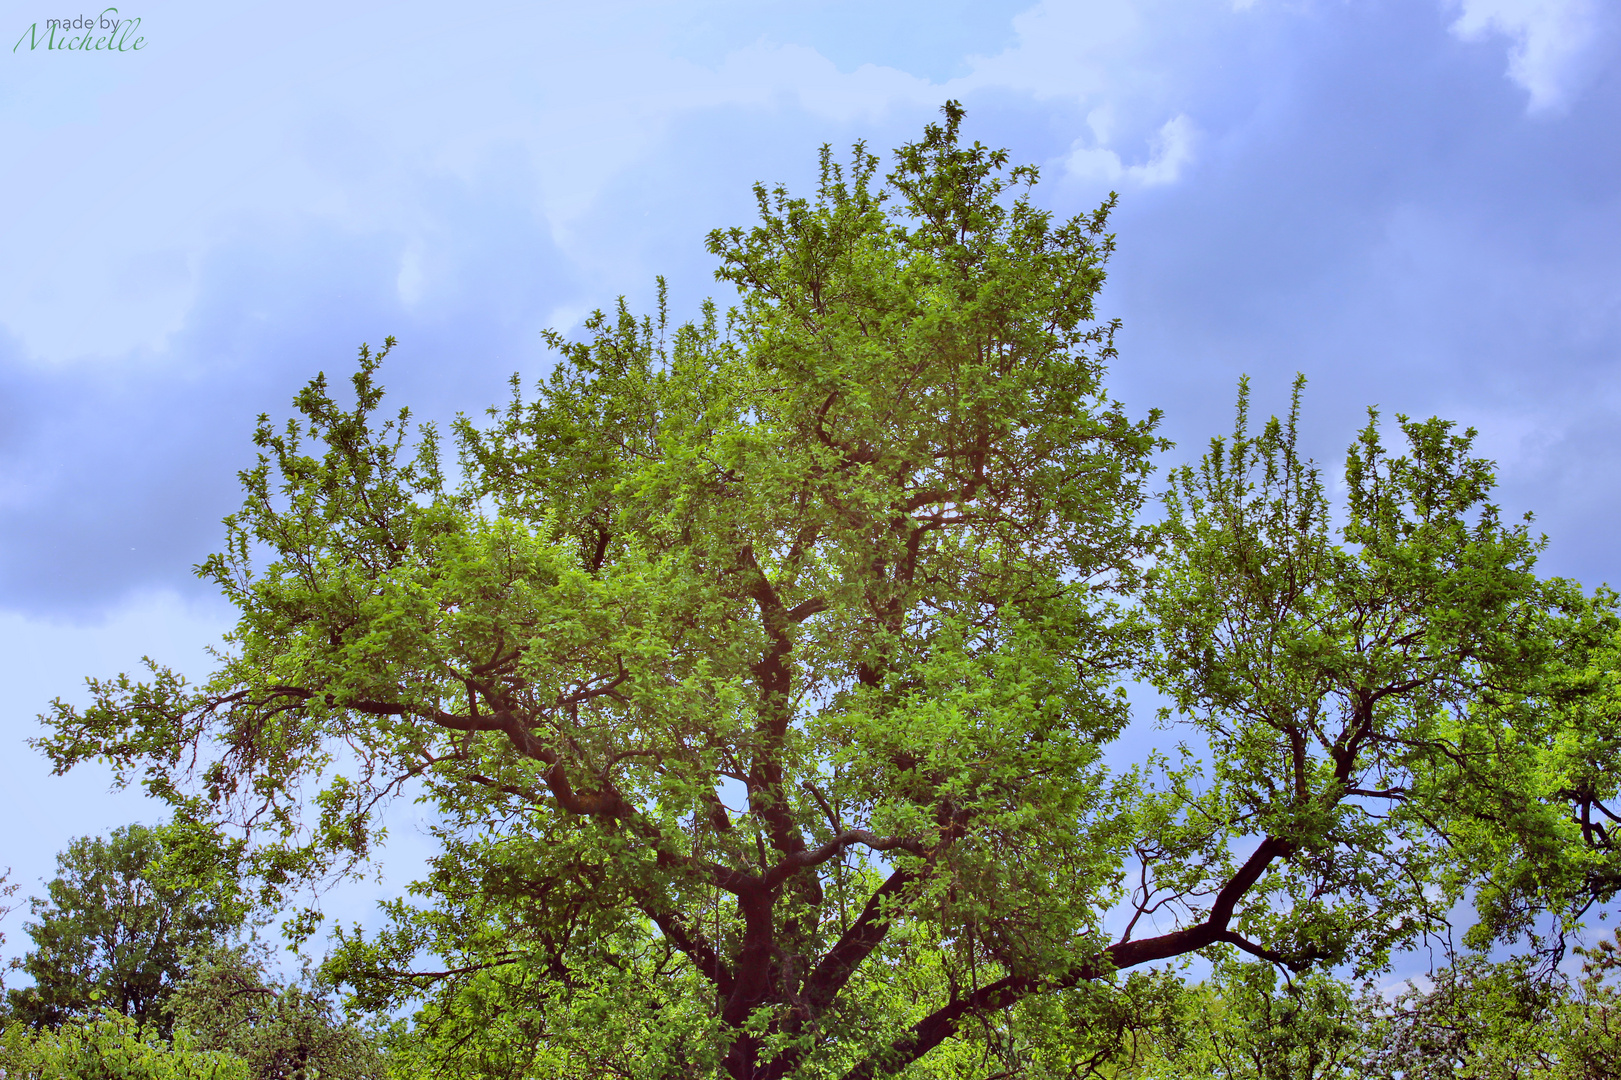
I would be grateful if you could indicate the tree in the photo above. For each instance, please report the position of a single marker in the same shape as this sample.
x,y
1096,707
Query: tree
x,y
1591,1022
1248,1027
116,924
1387,713
229,1022
1477,1019
279,1031
761,670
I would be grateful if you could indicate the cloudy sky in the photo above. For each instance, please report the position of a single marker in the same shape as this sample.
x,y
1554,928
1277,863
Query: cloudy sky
x,y
1414,202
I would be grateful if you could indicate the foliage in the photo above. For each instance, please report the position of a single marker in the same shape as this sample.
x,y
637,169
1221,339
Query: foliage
x,y
1508,1020
1473,1019
229,1022
1591,1022
118,919
1133,1028
1372,706
760,674
1247,1027
281,1032
109,1046
1477,1020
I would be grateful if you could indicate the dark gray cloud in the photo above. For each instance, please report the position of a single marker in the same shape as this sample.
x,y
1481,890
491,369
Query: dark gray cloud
x,y
120,472
1374,207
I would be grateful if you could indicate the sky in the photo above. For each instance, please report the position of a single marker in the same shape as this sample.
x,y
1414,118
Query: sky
x,y
1415,203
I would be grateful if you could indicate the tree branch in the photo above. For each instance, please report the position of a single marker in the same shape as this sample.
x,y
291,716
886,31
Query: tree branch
x,y
941,1024
800,860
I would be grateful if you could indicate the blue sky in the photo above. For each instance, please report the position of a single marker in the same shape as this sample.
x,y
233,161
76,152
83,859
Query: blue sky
x,y
1415,203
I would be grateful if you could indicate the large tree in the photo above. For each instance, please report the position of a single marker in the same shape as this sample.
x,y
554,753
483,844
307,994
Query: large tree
x,y
761,670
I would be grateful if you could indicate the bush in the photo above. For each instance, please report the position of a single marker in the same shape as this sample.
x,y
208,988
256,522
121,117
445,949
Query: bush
x,y
110,1046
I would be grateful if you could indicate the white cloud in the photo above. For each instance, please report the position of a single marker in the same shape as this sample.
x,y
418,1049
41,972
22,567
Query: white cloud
x,y
198,149
1550,40
762,72
1129,64
1080,49
1170,150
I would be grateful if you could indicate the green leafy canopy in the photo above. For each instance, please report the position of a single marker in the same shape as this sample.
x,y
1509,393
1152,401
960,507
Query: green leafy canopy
x,y
759,669
116,923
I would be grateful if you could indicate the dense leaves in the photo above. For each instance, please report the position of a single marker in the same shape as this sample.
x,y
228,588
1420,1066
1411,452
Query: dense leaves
x,y
229,1022
116,924
279,1031
760,670
109,1046
1470,1020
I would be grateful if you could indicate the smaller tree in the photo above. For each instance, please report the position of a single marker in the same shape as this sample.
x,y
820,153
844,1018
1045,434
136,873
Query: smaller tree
x,y
1477,1019
118,919
281,1031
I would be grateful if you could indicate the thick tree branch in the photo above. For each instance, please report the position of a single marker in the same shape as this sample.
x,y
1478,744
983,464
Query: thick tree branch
x,y
1295,962
774,677
809,857
941,1024
694,946
856,943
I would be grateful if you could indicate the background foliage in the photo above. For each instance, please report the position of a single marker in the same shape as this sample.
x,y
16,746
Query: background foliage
x,y
113,930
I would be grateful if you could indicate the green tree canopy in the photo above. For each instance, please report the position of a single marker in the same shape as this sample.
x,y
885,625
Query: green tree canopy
x,y
760,669
279,1030
1474,1019
116,923
109,1046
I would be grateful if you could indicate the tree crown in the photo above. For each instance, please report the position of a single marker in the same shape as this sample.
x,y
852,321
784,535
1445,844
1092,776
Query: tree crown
x,y
760,670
